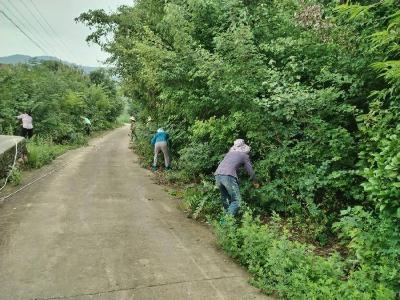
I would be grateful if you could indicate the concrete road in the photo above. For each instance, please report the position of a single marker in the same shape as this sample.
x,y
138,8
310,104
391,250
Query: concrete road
x,y
99,228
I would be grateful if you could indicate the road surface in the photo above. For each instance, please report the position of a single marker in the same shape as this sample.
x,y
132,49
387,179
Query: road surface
x,y
99,228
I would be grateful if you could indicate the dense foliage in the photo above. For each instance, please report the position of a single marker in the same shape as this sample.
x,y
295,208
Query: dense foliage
x,y
58,96
313,86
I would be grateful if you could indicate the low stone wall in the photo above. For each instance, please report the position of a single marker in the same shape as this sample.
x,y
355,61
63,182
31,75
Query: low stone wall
x,y
7,152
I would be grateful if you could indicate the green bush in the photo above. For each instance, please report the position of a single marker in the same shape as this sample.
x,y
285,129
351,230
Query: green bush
x,y
313,87
141,143
57,96
180,177
202,201
373,242
42,151
194,160
291,269
15,176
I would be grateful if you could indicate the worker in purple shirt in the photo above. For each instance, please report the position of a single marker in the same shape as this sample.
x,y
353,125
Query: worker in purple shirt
x,y
226,175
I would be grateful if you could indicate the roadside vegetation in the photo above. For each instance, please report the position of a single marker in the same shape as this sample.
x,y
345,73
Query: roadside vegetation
x,y
313,87
57,97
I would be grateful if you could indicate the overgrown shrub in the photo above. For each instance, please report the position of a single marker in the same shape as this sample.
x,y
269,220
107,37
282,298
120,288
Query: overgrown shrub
x,y
291,270
42,151
313,87
141,143
374,245
194,159
57,96
15,176
202,201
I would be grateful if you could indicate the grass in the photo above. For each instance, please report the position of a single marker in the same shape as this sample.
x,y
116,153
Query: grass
x,y
16,176
42,151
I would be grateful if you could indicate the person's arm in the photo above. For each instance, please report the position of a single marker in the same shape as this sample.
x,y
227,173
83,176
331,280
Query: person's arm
x,y
153,140
19,117
249,169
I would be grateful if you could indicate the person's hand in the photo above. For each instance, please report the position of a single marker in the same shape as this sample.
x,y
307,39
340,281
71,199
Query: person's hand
x,y
256,185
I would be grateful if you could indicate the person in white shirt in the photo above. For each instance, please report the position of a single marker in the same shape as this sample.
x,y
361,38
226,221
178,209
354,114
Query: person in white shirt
x,y
27,125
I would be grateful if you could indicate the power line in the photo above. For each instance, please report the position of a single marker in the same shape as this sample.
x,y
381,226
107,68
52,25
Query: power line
x,y
24,47
17,20
32,28
21,21
43,18
42,35
23,32
52,29
36,19
40,24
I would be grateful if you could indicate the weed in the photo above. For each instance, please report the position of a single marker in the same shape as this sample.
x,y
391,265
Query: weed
x,y
15,176
42,151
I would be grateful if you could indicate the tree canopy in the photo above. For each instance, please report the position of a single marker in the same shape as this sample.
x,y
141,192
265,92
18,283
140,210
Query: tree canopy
x,y
313,86
57,96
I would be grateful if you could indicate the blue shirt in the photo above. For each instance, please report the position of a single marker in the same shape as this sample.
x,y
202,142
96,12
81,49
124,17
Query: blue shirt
x,y
160,137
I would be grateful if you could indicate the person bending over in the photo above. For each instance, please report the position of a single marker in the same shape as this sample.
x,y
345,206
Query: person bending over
x,y
27,125
160,143
226,177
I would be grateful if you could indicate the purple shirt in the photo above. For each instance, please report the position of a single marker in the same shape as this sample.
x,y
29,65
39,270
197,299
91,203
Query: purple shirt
x,y
232,161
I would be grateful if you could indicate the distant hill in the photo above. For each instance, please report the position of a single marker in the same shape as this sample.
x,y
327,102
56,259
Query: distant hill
x,y
20,59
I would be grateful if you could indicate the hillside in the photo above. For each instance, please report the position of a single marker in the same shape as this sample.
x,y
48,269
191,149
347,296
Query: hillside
x,y
19,58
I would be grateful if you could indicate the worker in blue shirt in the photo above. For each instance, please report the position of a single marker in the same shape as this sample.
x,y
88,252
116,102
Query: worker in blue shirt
x,y
160,143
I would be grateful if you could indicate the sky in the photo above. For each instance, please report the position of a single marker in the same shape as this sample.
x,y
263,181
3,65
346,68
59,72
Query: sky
x,y
64,38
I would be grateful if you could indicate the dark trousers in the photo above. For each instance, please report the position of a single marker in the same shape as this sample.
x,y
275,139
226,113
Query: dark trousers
x,y
26,133
230,193
88,129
